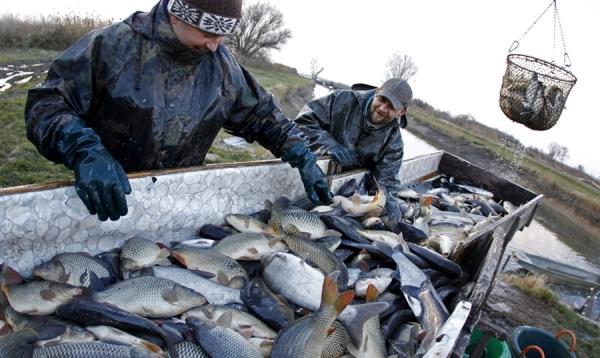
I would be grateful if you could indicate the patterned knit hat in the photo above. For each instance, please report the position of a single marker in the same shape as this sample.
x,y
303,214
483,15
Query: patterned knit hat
x,y
219,17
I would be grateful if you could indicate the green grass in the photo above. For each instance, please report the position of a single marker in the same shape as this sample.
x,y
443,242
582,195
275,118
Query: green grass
x,y
279,83
21,55
20,162
588,334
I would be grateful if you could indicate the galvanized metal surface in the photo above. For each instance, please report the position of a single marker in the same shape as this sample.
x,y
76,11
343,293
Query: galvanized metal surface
x,y
450,332
37,225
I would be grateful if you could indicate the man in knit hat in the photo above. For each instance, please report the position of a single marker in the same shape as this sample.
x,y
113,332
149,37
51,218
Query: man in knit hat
x,y
361,128
152,92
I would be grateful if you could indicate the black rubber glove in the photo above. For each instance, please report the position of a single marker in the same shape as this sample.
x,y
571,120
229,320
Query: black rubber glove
x,y
100,181
314,180
343,155
392,207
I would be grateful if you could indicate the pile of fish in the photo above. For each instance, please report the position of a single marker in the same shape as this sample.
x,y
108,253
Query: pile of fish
x,y
335,281
532,101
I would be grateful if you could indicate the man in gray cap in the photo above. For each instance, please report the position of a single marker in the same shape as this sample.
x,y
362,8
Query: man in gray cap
x,y
361,128
152,92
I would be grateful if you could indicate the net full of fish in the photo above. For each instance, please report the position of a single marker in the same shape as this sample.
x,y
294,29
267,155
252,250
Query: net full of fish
x,y
282,282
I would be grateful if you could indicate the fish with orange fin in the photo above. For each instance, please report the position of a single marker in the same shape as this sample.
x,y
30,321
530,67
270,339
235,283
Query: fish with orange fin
x,y
307,336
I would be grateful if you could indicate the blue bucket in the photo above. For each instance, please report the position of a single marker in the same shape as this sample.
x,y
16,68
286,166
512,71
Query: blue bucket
x,y
526,336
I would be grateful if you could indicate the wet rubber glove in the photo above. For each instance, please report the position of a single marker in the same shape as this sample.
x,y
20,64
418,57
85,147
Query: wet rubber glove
x,y
314,180
100,181
392,207
343,155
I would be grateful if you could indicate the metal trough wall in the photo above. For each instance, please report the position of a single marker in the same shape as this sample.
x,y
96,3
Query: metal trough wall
x,y
37,222
164,206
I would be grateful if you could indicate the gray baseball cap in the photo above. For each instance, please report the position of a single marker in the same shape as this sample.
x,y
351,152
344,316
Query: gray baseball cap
x,y
400,95
397,91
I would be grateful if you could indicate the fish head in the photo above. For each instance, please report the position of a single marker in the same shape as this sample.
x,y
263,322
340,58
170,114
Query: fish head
x,y
15,320
51,271
188,297
64,291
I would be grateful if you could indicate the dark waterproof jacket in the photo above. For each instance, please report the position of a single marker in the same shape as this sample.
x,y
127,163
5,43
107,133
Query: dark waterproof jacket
x,y
344,117
154,103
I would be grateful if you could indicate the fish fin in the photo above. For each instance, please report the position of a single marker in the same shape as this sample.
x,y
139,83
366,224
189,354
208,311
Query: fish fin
x,y
421,336
329,292
247,333
225,319
292,229
127,264
274,241
355,324
334,275
237,282
355,199
353,350
48,295
162,246
169,295
150,347
204,274
252,250
5,330
8,276
95,282
344,300
222,278
275,223
268,205
330,331
330,232
66,276
372,293
363,266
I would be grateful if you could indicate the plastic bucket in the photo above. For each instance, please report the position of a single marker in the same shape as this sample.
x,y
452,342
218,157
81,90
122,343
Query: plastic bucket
x,y
493,349
526,336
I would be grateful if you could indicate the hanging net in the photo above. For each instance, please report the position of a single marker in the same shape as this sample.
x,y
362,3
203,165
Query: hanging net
x,y
534,91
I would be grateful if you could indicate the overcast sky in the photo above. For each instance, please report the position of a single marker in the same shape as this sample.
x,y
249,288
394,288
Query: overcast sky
x,y
459,47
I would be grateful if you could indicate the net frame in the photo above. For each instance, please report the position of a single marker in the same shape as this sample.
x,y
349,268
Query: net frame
x,y
534,91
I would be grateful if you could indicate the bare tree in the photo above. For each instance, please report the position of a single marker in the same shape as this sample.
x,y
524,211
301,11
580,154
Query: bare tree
x,y
261,29
558,152
315,68
400,66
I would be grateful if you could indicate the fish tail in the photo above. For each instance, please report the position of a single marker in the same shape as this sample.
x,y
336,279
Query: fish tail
x,y
330,292
150,347
343,300
372,293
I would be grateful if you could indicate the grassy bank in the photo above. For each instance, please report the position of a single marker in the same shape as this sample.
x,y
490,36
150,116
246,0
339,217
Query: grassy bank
x,y
581,197
21,164
588,334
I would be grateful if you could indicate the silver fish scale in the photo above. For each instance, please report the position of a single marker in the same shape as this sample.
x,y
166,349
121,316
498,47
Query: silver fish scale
x,y
186,349
141,251
308,249
28,295
90,350
212,261
305,221
215,293
13,344
306,337
232,245
224,342
77,264
138,292
336,342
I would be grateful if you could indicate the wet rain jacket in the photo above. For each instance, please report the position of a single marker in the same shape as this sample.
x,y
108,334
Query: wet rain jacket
x,y
154,103
344,117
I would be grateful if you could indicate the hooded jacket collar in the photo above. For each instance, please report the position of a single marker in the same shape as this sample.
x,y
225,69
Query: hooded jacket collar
x,y
156,26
